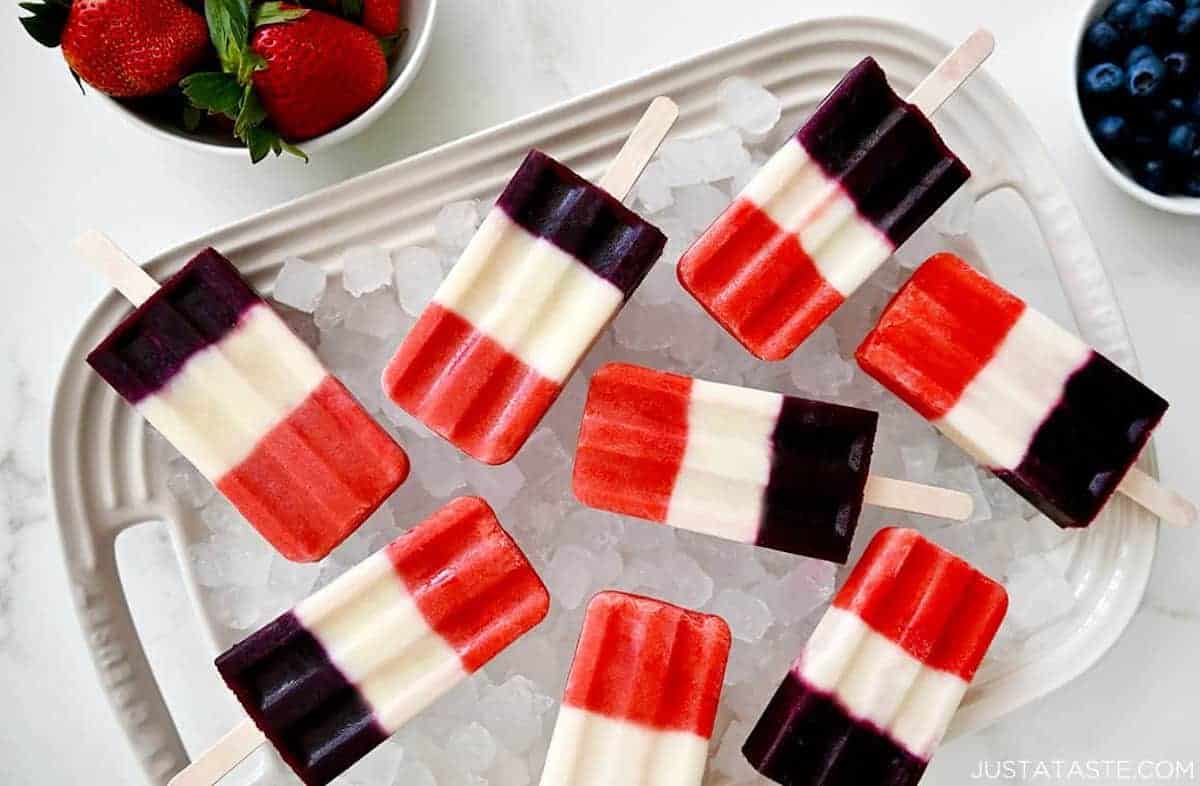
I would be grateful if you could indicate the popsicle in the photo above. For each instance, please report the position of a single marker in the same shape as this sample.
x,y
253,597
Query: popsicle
x,y
217,372
1058,422
747,465
641,697
871,695
331,679
551,265
829,207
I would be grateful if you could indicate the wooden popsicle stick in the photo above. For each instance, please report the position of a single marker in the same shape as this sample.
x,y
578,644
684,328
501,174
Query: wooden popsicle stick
x,y
125,275
216,762
640,147
1168,505
952,72
918,498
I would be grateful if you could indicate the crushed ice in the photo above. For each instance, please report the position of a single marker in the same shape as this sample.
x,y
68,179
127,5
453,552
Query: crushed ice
x,y
493,729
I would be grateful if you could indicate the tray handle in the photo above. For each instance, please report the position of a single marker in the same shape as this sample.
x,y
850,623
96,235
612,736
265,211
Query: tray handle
x,y
116,648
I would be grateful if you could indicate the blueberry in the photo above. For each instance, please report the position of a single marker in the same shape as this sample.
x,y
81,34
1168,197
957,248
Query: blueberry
x,y
1191,185
1146,77
1183,142
1101,41
1188,29
1179,67
1176,107
1191,3
1103,82
1194,107
1138,53
1153,19
1153,174
1120,13
1111,132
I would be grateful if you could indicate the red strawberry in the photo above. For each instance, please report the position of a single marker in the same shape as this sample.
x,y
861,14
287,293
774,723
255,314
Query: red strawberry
x,y
321,71
382,17
124,48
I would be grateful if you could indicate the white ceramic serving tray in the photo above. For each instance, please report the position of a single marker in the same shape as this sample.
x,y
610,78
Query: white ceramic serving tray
x,y
103,481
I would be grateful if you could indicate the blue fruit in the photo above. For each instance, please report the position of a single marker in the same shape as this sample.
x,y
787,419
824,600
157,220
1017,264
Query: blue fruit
x,y
1103,82
1191,185
1188,29
1179,67
1146,77
1176,107
1191,3
1152,19
1121,13
1138,53
1194,107
1154,175
1111,132
1101,40
1183,142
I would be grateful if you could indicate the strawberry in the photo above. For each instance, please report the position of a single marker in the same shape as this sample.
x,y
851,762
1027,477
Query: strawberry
x,y
125,48
287,73
382,17
320,72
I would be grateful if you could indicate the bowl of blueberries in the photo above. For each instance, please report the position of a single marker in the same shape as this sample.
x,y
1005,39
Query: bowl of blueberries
x,y
1138,77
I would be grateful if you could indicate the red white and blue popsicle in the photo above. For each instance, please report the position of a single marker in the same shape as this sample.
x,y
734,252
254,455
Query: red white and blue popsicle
x,y
217,372
870,697
641,698
1053,418
552,264
829,207
334,677
747,465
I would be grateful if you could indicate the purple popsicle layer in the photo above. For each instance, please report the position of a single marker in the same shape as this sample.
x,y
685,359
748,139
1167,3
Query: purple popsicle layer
x,y
884,152
550,201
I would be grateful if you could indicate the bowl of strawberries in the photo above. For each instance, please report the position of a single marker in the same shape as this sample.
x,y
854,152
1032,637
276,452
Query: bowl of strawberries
x,y
236,76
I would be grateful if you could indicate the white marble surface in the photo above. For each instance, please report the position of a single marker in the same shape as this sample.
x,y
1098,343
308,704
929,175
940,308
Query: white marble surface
x,y
70,164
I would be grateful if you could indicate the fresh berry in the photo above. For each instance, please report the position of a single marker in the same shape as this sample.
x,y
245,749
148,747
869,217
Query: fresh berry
x,y
1183,142
1101,42
1153,175
1120,14
1146,77
1176,107
1138,53
1191,185
382,17
1179,68
1188,29
125,48
1111,132
1103,82
320,72
1153,20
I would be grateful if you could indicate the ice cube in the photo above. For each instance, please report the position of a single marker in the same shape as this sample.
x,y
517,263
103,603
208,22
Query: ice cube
x,y
366,269
644,328
335,301
653,190
413,773
698,205
473,746
456,224
188,485
512,712
748,617
300,284
1038,593
377,314
498,485
749,107
817,367
569,576
509,770
659,286
418,275
684,581
729,759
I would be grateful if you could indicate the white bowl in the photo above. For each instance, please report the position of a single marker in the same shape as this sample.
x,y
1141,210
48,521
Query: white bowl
x,y
420,22
1181,205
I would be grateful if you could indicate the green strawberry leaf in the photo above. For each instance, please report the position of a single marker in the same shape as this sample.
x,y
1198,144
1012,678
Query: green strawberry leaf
x,y
251,115
191,117
46,22
214,92
262,140
229,29
273,12
351,9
